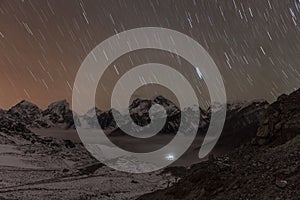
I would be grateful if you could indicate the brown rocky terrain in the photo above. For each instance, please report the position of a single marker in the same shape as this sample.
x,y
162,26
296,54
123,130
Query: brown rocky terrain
x,y
281,121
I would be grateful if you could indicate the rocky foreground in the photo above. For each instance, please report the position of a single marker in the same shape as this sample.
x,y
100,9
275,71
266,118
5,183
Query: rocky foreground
x,y
268,167
247,173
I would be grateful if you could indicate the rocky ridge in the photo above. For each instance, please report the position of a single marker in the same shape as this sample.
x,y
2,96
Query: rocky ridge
x,y
281,120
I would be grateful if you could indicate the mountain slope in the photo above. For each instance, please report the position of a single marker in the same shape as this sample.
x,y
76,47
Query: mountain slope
x,y
247,173
242,122
58,114
26,113
281,120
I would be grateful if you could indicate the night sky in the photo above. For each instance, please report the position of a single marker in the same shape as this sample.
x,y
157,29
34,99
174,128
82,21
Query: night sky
x,y
255,44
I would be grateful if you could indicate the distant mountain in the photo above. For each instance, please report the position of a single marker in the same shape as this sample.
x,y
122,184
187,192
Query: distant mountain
x,y
58,114
104,118
27,114
31,116
241,116
16,122
139,112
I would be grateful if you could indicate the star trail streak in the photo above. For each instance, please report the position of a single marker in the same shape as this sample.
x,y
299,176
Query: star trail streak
x,y
255,44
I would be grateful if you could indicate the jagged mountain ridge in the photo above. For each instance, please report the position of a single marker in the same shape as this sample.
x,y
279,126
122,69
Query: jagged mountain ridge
x,y
59,114
241,116
26,113
31,116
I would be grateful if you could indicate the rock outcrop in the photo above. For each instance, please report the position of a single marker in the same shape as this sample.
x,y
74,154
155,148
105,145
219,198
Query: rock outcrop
x,y
281,121
242,122
11,126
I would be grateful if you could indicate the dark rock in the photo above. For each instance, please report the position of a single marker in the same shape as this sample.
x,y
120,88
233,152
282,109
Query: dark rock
x,y
69,144
134,181
281,183
65,170
281,121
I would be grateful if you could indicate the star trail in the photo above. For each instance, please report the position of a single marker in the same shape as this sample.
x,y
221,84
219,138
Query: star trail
x,y
255,44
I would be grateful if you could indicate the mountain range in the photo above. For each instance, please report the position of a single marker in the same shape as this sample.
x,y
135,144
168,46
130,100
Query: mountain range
x,y
241,116
244,120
